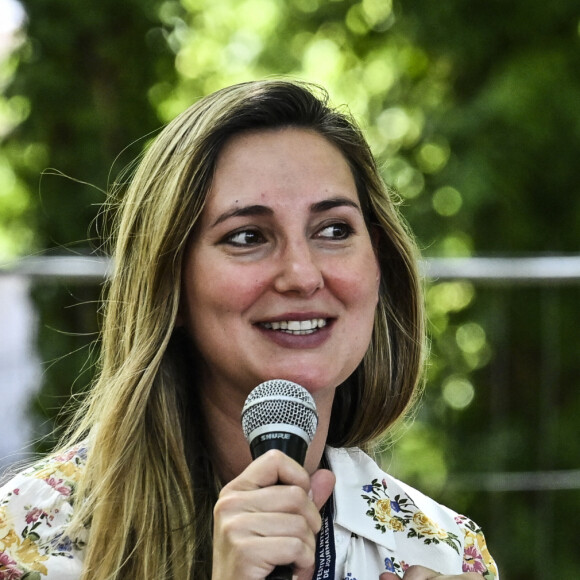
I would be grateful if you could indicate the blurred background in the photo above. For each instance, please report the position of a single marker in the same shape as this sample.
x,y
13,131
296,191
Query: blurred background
x,y
473,110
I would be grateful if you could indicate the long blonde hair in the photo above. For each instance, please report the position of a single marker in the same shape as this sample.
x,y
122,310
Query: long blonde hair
x,y
148,488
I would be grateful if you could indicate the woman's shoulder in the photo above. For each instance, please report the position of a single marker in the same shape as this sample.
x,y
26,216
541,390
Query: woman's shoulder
x,y
36,505
57,475
367,477
65,463
400,517
363,476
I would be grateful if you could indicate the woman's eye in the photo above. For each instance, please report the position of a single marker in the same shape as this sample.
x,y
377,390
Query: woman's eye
x,y
245,238
337,231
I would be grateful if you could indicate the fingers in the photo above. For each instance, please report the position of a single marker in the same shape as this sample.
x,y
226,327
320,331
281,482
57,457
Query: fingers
x,y
268,516
322,483
422,573
283,500
272,468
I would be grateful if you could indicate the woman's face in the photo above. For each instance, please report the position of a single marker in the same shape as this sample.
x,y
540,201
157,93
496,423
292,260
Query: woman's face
x,y
281,280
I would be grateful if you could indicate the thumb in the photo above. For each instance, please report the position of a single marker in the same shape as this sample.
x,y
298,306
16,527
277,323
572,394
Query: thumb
x,y
322,484
388,576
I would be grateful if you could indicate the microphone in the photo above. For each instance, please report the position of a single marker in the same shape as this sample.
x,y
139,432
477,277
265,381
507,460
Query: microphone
x,y
281,415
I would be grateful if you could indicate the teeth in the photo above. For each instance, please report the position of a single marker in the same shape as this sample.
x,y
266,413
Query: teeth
x,y
296,326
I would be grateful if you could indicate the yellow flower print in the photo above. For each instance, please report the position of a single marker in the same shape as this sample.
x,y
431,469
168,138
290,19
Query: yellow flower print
x,y
396,525
24,551
383,510
476,557
400,514
9,540
482,545
69,471
28,554
484,551
427,527
470,537
45,472
5,523
384,514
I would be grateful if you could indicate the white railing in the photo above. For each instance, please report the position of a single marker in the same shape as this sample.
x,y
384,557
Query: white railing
x,y
503,271
543,271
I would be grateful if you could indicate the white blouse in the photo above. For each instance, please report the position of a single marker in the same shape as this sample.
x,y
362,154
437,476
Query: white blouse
x,y
380,524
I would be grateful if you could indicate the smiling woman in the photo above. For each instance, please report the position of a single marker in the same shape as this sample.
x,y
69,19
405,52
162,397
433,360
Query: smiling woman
x,y
282,244
255,242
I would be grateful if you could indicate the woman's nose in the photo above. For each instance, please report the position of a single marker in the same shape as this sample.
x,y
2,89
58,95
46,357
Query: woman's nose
x,y
298,271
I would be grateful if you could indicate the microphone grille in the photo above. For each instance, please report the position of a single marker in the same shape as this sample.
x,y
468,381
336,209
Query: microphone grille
x,y
279,402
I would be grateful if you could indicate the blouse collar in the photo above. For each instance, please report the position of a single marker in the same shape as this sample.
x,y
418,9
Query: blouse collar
x,y
355,472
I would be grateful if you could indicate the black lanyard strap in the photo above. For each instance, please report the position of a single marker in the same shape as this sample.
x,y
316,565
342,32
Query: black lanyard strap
x,y
326,551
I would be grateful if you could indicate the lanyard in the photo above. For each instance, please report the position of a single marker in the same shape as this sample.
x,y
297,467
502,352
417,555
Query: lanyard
x,y
326,551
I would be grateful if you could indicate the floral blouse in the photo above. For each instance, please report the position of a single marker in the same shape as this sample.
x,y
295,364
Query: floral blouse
x,y
383,525
379,524
35,508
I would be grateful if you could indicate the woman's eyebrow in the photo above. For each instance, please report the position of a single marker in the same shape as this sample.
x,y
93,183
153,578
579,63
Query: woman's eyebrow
x,y
248,210
263,210
328,204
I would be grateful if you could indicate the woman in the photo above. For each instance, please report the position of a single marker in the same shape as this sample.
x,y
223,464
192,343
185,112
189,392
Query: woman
x,y
255,241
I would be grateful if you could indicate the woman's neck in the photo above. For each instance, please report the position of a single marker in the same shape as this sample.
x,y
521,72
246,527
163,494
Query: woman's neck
x,y
229,448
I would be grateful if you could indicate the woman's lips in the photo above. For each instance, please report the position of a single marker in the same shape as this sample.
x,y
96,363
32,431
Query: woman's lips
x,y
296,327
308,332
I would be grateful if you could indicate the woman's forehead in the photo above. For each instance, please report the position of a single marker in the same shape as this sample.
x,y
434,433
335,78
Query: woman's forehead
x,y
269,165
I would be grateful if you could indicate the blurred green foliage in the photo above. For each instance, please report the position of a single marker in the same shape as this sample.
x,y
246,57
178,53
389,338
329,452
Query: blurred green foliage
x,y
473,111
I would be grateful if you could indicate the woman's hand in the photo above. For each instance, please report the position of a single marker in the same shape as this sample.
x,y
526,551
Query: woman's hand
x,y
422,573
268,516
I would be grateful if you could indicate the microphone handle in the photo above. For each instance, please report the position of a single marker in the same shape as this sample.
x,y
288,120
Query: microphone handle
x,y
280,573
293,446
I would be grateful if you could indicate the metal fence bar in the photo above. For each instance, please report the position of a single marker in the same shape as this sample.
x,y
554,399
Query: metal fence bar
x,y
550,270
542,270
506,271
83,269
517,481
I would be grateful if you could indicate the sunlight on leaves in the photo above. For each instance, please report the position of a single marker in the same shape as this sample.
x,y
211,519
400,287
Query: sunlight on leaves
x,y
16,233
458,392
447,297
447,201
470,337
433,156
455,245
378,14
379,75
408,180
322,60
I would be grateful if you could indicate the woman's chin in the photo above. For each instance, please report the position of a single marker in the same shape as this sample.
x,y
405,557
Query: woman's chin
x,y
318,385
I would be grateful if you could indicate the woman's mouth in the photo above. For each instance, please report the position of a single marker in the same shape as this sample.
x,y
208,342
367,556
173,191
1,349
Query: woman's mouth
x,y
296,327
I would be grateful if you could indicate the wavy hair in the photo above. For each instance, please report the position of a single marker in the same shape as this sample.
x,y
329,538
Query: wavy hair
x,y
148,489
